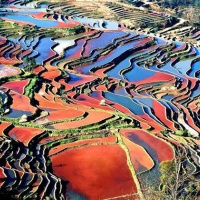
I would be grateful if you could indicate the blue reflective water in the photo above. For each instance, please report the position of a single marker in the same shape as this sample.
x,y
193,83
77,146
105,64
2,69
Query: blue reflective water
x,y
132,34
197,51
120,91
183,66
172,106
168,97
17,113
179,44
148,111
103,40
154,173
37,22
167,68
138,74
160,41
168,104
115,53
195,67
74,78
43,5
124,101
115,72
146,100
164,103
22,43
29,41
43,46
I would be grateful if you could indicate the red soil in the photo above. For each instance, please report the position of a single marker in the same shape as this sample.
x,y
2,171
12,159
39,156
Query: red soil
x,y
110,139
50,75
7,62
101,72
26,52
21,102
44,103
192,105
2,175
66,85
101,88
142,118
71,94
56,86
50,139
193,82
102,171
24,134
181,48
163,150
38,69
160,112
3,126
64,114
85,79
61,115
17,86
139,157
67,25
38,15
89,101
190,120
158,77
93,117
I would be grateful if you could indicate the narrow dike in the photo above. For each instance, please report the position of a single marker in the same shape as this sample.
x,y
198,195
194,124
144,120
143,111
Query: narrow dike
x,y
130,165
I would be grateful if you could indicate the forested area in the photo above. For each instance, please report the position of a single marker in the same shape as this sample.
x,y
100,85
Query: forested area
x,y
182,3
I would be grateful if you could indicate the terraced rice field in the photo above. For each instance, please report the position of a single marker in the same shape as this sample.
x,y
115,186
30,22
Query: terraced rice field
x,y
87,106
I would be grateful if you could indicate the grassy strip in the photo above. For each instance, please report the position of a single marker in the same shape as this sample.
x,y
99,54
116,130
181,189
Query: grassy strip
x,y
130,165
31,87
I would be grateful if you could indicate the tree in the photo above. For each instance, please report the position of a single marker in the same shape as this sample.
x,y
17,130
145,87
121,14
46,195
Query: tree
x,y
176,182
26,60
33,62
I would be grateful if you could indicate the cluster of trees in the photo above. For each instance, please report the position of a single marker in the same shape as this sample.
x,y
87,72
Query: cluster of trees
x,y
70,31
188,9
30,63
177,180
183,3
75,30
157,26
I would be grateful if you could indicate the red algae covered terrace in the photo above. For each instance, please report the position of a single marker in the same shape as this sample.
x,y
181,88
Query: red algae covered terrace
x,y
164,150
21,102
140,159
103,170
17,86
88,108
97,141
60,115
93,117
3,126
24,134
